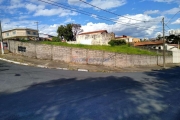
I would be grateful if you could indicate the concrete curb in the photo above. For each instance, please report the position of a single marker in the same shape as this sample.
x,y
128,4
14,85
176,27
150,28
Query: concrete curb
x,y
82,70
40,66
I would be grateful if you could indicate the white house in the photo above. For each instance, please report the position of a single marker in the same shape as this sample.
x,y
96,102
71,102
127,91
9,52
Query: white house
x,y
101,37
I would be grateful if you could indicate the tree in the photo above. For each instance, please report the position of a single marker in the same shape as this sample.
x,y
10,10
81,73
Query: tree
x,y
65,32
61,31
173,39
117,42
56,39
76,29
159,37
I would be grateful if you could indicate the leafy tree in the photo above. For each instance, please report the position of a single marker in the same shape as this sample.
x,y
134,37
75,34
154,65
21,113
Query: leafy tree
x,y
159,37
117,42
65,32
76,28
173,39
60,31
56,39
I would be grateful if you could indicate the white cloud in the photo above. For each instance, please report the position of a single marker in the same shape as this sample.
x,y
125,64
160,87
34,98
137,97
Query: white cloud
x,y
43,28
1,1
124,26
50,12
69,20
9,24
108,4
94,16
49,29
168,1
151,12
176,22
14,4
171,11
33,7
104,4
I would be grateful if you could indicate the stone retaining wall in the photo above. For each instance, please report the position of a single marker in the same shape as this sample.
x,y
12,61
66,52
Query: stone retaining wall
x,y
84,56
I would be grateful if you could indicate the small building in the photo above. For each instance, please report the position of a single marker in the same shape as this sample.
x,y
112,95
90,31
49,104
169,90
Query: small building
x,y
101,37
128,39
20,33
156,45
43,37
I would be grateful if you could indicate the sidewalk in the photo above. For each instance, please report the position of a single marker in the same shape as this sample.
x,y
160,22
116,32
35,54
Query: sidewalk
x,y
18,59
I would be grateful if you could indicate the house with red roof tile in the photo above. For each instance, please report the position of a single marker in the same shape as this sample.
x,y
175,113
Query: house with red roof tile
x,y
100,37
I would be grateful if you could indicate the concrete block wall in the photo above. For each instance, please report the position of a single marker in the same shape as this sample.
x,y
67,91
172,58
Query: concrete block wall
x,y
44,51
121,60
109,59
79,56
95,57
85,56
30,50
61,53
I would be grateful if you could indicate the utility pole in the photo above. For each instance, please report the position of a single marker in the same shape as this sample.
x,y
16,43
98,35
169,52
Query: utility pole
x,y
164,61
37,28
1,39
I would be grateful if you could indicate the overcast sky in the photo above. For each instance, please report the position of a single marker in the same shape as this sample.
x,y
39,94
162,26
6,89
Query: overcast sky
x,y
137,18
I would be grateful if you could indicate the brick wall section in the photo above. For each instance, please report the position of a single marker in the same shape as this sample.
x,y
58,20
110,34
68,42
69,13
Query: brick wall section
x,y
109,59
30,50
85,56
44,51
79,56
95,57
61,53
121,60
11,46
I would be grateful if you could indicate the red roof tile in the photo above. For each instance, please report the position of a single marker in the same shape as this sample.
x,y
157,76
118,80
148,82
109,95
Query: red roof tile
x,y
148,43
100,31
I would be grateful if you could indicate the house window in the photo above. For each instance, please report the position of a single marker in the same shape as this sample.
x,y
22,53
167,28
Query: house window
x,y
14,32
7,34
34,33
87,36
28,32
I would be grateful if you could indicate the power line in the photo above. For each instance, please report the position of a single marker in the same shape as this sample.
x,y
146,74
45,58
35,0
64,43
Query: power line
x,y
88,13
167,26
172,17
114,13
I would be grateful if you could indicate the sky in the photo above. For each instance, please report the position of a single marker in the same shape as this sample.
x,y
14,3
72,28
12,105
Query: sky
x,y
137,18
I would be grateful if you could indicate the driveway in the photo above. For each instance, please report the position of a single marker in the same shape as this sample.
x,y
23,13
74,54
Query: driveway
x,y
29,93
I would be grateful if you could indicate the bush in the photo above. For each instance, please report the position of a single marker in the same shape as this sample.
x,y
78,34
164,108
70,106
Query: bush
x,y
117,42
56,39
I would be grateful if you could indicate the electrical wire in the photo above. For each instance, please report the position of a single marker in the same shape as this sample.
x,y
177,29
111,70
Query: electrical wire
x,y
114,13
172,17
89,14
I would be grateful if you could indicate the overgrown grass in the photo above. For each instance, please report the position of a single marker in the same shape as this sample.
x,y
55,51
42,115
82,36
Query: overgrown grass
x,y
118,49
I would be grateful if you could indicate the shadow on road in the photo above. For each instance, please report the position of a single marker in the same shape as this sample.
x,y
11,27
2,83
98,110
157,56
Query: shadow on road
x,y
92,98
153,96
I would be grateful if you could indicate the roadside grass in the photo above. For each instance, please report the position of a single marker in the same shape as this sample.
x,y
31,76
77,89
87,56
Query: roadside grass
x,y
118,49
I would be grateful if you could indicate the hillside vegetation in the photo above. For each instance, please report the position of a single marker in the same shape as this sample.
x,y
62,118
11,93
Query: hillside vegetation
x,y
118,49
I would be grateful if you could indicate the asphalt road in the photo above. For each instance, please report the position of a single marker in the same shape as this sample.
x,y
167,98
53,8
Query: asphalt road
x,y
29,93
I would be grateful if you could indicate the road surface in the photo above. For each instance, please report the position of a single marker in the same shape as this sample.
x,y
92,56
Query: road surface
x,y
29,93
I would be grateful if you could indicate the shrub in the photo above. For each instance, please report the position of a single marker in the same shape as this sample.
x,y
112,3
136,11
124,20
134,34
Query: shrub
x,y
117,42
56,39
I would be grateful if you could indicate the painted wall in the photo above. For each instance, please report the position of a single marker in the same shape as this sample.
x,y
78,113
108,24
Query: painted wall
x,y
85,56
94,38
